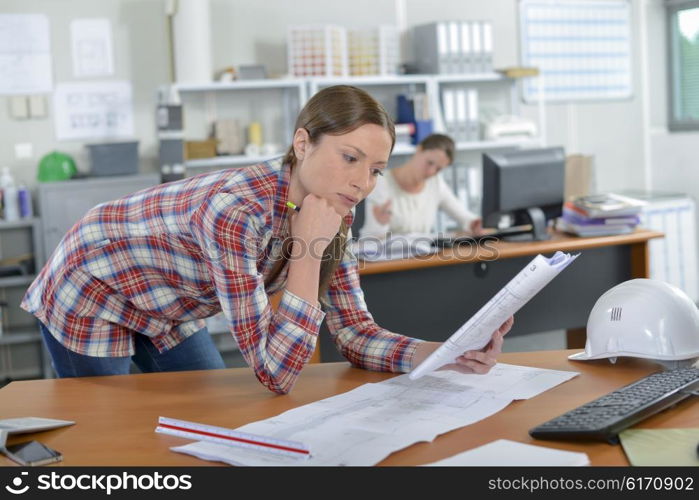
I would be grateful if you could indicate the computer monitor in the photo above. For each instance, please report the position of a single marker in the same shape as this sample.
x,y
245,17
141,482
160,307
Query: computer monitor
x,y
526,184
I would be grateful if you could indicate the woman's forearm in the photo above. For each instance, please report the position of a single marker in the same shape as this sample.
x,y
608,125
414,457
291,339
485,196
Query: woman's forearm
x,y
423,350
304,277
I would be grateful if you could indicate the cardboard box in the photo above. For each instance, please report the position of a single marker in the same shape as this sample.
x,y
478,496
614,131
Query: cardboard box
x,y
200,149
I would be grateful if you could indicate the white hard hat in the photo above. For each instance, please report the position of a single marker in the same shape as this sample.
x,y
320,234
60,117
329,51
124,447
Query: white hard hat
x,y
642,318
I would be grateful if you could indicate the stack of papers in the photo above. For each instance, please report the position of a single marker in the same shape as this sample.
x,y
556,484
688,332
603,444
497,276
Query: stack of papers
x,y
504,452
402,246
601,215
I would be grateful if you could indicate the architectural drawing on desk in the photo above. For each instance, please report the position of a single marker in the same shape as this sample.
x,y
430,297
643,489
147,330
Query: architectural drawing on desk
x,y
363,426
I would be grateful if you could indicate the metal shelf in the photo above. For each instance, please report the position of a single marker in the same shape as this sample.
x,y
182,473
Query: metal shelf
x,y
400,150
223,161
470,77
370,80
29,222
270,83
17,280
498,144
20,336
478,145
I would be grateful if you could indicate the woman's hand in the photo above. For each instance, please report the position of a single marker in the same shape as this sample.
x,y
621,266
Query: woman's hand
x,y
479,362
314,227
482,361
476,227
382,212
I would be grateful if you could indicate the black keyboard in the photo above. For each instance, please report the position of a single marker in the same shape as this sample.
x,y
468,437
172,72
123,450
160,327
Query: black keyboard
x,y
605,417
448,242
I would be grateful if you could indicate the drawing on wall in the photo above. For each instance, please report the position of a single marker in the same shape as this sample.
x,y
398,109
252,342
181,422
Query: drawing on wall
x,y
25,54
92,48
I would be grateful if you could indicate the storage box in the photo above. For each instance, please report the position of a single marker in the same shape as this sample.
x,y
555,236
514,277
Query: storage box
x,y
317,51
374,51
113,158
199,149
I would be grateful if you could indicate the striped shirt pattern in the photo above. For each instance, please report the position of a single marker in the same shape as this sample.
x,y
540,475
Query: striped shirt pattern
x,y
160,261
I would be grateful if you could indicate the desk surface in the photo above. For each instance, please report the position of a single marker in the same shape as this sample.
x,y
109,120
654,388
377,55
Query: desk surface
x,y
505,250
116,416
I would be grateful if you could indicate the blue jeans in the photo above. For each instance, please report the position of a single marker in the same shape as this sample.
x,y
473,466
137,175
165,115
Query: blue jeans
x,y
197,352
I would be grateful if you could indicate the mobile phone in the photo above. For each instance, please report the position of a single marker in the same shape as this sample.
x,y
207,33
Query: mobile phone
x,y
32,453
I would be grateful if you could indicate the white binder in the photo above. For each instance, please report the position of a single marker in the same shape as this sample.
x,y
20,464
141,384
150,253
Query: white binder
x,y
466,63
462,124
477,38
487,59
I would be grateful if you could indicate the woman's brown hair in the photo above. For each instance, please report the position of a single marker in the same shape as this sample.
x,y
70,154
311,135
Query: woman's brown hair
x,y
439,141
336,110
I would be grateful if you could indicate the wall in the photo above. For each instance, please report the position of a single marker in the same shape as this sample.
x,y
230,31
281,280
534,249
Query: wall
x,y
674,158
246,32
138,30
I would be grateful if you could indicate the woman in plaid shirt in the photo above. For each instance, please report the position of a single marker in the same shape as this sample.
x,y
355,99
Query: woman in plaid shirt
x,y
135,278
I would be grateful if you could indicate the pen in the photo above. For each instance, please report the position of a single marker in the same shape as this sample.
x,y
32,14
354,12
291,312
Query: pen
x,y
293,206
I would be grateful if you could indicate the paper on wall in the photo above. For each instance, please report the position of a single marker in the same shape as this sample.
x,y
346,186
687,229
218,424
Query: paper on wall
x,y
92,48
25,54
95,110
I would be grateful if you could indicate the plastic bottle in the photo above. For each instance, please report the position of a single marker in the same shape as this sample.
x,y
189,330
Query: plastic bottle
x,y
9,195
24,198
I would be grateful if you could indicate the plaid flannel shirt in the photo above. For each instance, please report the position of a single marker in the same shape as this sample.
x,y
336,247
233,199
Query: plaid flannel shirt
x,y
159,261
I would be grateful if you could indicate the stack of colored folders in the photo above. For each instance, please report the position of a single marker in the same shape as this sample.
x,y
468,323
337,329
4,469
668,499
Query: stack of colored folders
x,y
600,215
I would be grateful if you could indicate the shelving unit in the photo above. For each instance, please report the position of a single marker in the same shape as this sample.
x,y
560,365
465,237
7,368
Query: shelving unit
x,y
274,103
296,92
21,351
432,85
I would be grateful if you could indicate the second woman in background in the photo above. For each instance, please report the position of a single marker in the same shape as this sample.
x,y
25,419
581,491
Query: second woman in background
x,y
407,198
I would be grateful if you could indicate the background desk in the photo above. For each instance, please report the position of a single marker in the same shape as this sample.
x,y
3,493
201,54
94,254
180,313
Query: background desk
x,y
431,297
116,416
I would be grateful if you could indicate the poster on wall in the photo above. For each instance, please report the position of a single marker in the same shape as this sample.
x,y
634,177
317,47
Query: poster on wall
x,y
581,47
92,48
95,110
25,54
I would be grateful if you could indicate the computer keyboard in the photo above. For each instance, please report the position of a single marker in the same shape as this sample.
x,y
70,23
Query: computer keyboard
x,y
605,417
448,242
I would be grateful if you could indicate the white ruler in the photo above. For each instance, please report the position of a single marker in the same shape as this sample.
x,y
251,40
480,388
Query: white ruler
x,y
221,435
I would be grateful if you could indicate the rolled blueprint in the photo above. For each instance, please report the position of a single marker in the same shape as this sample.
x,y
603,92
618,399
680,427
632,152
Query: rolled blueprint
x,y
477,331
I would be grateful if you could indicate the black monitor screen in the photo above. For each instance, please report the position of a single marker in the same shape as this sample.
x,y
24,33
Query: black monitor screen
x,y
517,181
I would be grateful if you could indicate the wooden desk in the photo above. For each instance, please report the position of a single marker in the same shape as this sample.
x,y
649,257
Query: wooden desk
x,y
116,416
431,297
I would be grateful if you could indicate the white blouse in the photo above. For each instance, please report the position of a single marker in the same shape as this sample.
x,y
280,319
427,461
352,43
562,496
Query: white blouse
x,y
413,212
